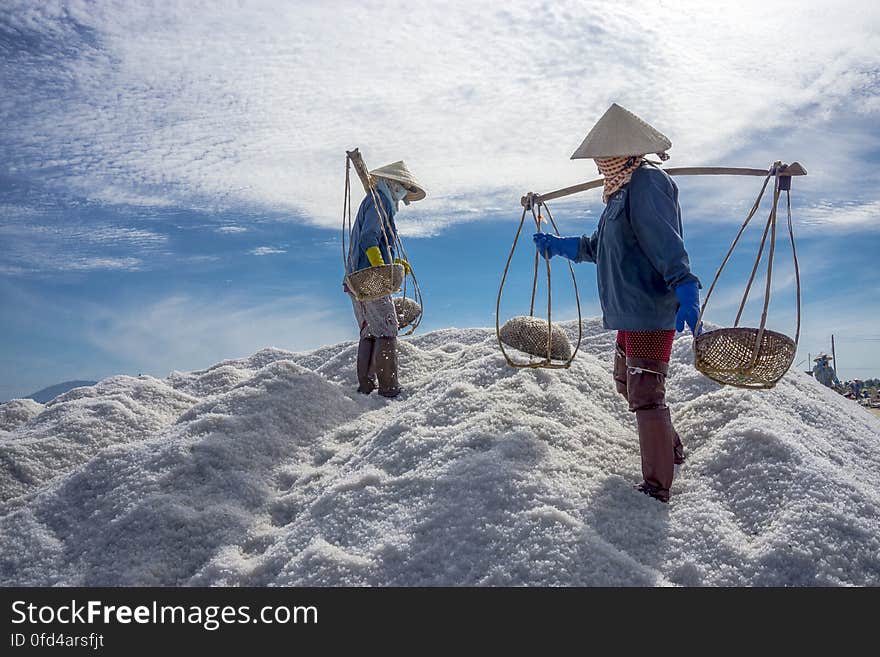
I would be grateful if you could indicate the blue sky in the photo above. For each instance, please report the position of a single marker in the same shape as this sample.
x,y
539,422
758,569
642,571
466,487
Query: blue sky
x,y
171,180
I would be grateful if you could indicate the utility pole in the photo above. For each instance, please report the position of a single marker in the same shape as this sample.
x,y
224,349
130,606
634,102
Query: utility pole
x,y
834,357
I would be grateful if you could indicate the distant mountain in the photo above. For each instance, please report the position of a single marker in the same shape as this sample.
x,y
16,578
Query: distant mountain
x,y
50,393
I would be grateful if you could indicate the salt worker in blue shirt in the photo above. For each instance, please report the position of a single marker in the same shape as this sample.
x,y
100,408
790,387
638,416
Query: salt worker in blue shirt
x,y
824,372
373,237
646,288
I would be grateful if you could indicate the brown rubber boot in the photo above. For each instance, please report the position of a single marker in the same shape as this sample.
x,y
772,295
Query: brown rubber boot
x,y
386,366
678,456
655,444
646,389
365,374
620,370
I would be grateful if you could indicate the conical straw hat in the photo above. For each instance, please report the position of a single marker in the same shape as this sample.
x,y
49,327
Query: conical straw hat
x,y
619,133
399,172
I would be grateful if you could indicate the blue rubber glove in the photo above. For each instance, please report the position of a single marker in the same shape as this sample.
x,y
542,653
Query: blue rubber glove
x,y
550,245
688,295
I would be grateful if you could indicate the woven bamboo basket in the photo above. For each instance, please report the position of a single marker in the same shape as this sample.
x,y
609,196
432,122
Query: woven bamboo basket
x,y
725,355
529,334
736,356
407,310
375,282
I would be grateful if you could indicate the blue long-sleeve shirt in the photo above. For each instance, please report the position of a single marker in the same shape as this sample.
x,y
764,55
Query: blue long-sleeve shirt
x,y
639,253
366,232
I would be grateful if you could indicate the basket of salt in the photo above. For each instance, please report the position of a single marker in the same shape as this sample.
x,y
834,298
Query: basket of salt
x,y
537,337
407,310
375,282
529,335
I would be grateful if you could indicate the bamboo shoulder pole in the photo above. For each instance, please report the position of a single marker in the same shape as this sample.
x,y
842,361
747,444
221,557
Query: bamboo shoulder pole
x,y
361,168
793,169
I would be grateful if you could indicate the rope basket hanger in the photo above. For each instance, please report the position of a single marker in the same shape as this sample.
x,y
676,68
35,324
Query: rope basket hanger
x,y
379,281
529,334
752,357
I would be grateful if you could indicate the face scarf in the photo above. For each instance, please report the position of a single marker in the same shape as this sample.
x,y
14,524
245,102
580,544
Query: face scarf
x,y
617,171
401,192
394,192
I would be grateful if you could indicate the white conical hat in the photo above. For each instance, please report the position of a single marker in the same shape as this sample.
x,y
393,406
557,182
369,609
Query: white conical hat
x,y
399,172
619,133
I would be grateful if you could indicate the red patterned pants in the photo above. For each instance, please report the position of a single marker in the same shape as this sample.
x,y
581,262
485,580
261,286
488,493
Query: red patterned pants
x,y
656,345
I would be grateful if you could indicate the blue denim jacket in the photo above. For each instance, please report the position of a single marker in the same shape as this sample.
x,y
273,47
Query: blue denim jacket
x,y
639,253
366,232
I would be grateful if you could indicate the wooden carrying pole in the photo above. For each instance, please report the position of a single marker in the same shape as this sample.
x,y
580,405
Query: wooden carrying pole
x,y
793,169
361,168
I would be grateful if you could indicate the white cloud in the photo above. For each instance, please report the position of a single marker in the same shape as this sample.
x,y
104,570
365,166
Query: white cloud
x,y
186,332
219,104
201,259
10,212
843,214
266,250
231,229
114,234
74,246
88,264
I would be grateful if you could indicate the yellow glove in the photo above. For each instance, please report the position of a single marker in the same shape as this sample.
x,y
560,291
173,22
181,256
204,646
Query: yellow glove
x,y
406,267
374,255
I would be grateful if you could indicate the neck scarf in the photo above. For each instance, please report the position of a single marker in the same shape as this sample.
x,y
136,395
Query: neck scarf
x,y
617,171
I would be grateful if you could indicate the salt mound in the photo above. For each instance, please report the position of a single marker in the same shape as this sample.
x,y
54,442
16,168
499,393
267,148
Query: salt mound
x,y
15,413
75,426
272,470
